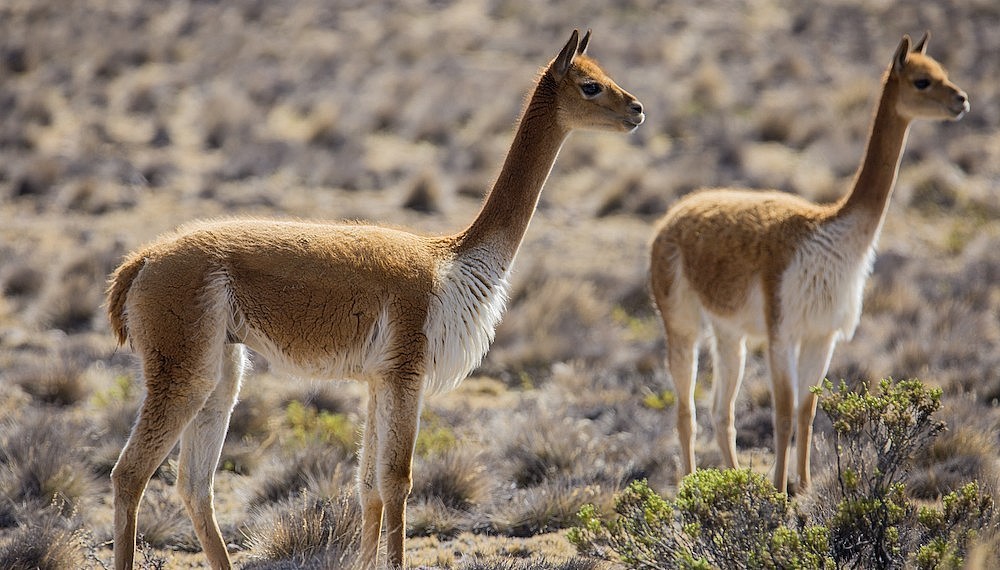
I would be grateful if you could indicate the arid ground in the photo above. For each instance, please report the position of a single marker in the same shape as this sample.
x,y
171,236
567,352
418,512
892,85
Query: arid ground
x,y
121,119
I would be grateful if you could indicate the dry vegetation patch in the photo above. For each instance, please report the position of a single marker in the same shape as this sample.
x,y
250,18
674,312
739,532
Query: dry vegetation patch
x,y
119,121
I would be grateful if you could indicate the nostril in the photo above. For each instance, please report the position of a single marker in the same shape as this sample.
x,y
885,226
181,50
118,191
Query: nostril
x,y
635,106
961,97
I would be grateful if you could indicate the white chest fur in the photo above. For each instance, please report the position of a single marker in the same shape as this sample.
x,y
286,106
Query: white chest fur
x,y
466,306
822,288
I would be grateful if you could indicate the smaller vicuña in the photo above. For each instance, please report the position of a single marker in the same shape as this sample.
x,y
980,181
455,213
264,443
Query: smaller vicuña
x,y
408,314
741,263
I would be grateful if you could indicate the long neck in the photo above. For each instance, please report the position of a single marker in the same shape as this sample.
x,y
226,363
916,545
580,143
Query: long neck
x,y
876,176
504,218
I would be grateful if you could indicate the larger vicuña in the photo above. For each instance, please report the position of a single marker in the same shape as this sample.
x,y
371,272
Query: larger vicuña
x,y
408,314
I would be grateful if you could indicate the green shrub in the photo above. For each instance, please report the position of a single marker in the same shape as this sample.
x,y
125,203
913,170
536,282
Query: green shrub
x,y
310,425
736,519
950,531
877,434
720,519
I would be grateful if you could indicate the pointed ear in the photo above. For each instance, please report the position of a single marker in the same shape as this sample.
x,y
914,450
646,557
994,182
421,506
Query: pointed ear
x,y
583,44
921,46
899,60
565,58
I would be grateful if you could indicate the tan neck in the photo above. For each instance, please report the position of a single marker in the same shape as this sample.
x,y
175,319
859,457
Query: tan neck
x,y
504,218
876,176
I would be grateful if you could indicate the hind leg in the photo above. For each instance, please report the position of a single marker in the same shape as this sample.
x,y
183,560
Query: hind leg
x,y
174,396
729,357
201,446
682,360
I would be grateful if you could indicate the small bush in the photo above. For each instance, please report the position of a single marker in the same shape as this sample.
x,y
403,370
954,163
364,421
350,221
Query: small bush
x,y
720,519
320,426
950,531
876,434
434,436
865,519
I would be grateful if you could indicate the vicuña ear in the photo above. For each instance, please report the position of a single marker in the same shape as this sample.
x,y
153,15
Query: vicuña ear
x,y
899,60
582,49
565,58
921,46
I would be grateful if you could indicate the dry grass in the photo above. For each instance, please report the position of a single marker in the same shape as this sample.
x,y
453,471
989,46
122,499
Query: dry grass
x,y
121,121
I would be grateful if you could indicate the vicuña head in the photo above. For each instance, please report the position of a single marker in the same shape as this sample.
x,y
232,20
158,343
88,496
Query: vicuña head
x,y
771,265
407,314
924,89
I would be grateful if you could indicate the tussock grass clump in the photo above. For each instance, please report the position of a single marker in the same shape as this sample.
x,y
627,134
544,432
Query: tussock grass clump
x,y
553,319
953,459
507,563
316,469
22,280
449,487
541,451
42,459
459,479
308,532
426,194
432,517
163,522
47,542
59,381
546,508
74,292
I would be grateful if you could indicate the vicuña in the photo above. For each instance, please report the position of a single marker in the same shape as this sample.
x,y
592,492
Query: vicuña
x,y
741,263
408,314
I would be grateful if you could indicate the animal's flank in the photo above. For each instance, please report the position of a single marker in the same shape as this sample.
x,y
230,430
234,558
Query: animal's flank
x,y
118,288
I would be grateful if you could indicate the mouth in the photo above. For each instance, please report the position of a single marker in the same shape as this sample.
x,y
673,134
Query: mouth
x,y
959,112
633,122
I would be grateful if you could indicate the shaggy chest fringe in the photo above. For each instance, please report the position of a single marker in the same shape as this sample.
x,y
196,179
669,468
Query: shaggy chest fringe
x,y
465,309
822,288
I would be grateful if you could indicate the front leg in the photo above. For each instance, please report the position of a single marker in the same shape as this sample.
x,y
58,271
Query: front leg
x,y
783,362
368,492
814,361
397,417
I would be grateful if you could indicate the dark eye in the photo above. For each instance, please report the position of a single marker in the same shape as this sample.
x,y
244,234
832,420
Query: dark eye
x,y
922,84
591,89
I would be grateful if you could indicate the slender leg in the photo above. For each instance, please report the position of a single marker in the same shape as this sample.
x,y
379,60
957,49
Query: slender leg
x,y
729,356
682,360
814,361
783,363
398,416
201,446
173,398
371,501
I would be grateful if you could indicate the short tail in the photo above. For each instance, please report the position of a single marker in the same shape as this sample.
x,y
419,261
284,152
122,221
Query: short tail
x,y
118,287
